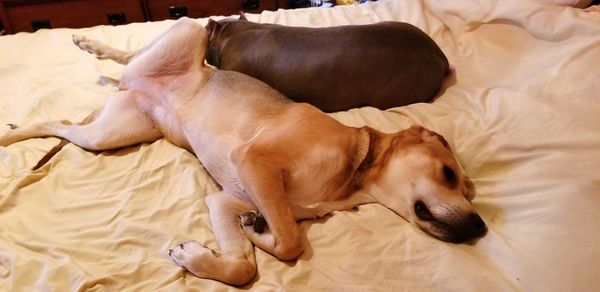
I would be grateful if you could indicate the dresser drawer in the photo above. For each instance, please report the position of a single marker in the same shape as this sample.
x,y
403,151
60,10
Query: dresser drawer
x,y
165,9
25,16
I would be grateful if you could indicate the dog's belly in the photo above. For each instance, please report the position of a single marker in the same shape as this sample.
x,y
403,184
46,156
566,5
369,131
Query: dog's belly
x,y
214,153
214,135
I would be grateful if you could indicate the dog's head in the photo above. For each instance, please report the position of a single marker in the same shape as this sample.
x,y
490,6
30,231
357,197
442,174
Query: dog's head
x,y
217,35
415,174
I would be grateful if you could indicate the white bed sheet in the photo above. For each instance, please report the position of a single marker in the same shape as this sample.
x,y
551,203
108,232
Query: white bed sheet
x,y
521,111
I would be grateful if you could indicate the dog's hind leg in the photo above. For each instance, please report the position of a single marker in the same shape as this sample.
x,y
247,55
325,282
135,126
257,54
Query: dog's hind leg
x,y
103,51
180,46
234,262
63,142
119,124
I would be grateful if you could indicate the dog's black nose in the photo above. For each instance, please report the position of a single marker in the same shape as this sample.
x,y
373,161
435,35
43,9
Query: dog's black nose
x,y
468,229
478,227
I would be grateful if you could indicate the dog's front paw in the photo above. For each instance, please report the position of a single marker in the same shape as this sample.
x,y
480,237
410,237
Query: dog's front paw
x,y
254,219
191,255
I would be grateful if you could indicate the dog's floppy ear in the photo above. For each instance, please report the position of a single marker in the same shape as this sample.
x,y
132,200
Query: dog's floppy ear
x,y
243,16
442,140
212,28
428,134
469,189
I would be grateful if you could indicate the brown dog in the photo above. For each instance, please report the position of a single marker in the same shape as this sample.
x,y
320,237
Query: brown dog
x,y
287,161
387,64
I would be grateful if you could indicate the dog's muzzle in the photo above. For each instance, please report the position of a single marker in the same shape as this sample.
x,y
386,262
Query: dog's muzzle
x,y
471,227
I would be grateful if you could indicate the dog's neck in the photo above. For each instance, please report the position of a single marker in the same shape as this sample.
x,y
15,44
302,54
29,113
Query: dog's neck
x,y
368,142
375,149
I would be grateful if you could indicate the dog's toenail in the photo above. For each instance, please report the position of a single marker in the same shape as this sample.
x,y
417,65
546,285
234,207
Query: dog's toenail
x,y
181,245
170,251
12,126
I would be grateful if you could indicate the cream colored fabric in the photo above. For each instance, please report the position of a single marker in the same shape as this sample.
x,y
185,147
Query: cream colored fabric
x,y
521,110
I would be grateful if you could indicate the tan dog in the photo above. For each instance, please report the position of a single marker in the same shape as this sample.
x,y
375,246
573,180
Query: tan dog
x,y
288,161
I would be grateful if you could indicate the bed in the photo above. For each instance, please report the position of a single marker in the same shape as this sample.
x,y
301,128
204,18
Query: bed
x,y
521,109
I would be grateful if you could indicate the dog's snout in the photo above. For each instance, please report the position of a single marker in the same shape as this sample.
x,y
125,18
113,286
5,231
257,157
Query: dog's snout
x,y
470,228
478,226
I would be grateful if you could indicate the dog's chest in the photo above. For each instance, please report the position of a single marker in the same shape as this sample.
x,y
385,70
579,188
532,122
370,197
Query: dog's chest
x,y
319,175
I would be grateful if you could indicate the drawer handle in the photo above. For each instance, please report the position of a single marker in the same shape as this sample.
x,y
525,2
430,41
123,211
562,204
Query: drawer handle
x,y
249,4
116,18
178,11
40,23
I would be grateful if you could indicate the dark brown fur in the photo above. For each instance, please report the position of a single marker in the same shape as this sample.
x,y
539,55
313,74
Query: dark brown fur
x,y
384,65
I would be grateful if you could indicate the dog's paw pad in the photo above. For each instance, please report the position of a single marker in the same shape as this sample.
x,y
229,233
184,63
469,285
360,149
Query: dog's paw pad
x,y
260,224
248,218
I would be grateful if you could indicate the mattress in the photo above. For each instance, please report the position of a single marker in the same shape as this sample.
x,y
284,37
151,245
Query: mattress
x,y
521,110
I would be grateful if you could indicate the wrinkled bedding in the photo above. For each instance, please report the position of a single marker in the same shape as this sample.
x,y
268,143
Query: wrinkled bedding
x,y
521,110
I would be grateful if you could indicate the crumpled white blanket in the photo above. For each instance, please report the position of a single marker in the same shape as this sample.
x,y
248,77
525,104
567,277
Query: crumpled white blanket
x,y
521,111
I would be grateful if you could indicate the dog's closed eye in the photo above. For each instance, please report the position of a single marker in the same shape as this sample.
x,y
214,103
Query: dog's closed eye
x,y
449,175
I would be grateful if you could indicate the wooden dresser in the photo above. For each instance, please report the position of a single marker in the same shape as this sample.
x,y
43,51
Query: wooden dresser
x,y
31,15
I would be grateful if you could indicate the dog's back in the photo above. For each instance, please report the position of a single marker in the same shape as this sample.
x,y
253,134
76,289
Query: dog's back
x,y
384,65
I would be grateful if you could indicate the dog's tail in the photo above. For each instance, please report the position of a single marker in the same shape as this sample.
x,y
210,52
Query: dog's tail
x,y
63,142
51,153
